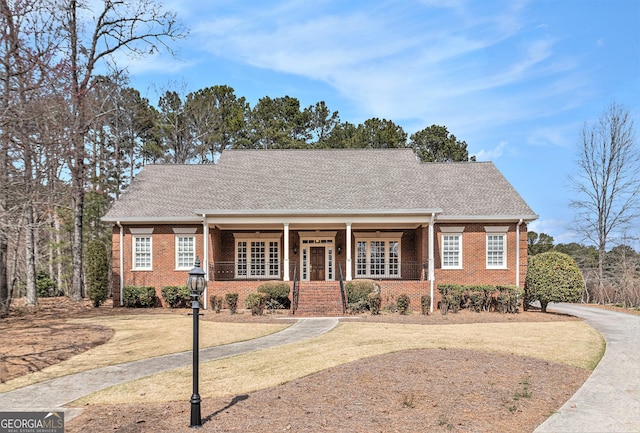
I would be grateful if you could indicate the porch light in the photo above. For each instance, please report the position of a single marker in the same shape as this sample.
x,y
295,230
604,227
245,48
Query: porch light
x,y
196,284
295,248
339,248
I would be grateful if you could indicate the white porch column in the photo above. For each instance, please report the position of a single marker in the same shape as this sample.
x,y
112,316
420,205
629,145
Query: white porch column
x,y
431,259
348,252
285,277
205,250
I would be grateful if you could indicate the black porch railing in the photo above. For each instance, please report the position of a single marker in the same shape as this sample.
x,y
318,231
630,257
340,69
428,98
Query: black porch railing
x,y
226,271
343,293
295,293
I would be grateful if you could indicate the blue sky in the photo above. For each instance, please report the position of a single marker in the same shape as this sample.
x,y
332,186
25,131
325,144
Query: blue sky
x,y
516,80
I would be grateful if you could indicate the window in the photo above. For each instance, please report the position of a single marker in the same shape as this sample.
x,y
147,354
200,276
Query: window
x,y
185,247
496,247
378,257
257,257
495,251
185,252
451,247
142,249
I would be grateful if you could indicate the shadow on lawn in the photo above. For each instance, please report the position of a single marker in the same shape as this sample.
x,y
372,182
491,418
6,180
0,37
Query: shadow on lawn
x,y
237,399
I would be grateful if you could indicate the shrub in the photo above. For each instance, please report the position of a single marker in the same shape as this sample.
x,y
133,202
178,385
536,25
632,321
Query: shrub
x,y
97,272
509,298
451,297
177,296
46,287
553,277
425,304
277,294
357,292
139,296
256,303
403,302
232,302
216,303
375,301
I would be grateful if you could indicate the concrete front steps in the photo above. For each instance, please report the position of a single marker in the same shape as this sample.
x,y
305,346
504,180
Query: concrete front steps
x,y
319,298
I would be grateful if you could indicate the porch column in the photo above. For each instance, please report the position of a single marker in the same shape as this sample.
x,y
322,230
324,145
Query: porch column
x,y
348,252
205,253
285,277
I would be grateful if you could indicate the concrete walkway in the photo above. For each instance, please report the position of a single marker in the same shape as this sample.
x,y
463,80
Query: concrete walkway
x,y
53,394
609,401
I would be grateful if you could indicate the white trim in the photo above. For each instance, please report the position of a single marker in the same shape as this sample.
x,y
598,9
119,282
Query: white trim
x,y
386,238
320,239
248,238
460,246
452,229
378,235
184,230
176,250
504,250
141,230
133,252
496,229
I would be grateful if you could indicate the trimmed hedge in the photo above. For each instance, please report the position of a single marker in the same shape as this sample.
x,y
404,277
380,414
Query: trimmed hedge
x,y
276,294
553,277
96,272
425,304
139,296
403,303
256,302
358,292
232,302
177,296
501,298
216,303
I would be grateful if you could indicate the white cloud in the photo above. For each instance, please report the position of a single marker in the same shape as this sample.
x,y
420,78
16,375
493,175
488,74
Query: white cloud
x,y
558,229
491,154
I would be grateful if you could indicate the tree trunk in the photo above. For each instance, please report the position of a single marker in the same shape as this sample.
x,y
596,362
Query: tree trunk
x,y
543,306
32,298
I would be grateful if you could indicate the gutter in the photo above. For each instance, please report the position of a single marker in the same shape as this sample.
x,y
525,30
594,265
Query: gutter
x,y
431,259
121,262
518,252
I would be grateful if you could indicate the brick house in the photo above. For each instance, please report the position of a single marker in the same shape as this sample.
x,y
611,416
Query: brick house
x,y
316,217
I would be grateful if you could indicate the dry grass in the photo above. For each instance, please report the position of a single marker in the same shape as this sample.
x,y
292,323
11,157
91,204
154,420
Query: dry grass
x,y
145,336
573,343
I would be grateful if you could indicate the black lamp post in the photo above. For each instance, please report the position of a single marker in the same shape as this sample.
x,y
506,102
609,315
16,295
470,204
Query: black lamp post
x,y
196,284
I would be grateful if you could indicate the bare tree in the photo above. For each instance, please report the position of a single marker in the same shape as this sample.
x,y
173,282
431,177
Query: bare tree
x,y
607,180
92,37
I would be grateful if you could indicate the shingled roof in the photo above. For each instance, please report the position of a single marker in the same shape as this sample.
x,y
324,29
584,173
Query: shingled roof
x,y
319,182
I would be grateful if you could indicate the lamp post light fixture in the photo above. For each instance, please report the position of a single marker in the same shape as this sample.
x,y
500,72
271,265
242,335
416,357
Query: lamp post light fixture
x,y
196,284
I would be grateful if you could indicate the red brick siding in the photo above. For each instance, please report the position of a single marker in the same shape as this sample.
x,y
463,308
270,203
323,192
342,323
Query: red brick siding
x,y
414,248
163,271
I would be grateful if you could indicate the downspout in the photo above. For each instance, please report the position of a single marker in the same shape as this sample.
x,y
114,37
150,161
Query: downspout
x,y
205,242
121,263
431,259
518,252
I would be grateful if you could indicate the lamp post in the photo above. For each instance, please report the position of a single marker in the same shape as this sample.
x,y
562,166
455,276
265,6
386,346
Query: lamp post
x,y
196,284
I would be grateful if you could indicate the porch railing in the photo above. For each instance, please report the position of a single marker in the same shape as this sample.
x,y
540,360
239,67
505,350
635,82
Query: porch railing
x,y
226,271
295,293
343,293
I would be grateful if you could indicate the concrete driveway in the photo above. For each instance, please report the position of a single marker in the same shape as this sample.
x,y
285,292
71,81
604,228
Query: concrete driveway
x,y
609,401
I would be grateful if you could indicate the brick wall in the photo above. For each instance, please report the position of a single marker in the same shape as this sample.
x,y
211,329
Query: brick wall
x,y
414,249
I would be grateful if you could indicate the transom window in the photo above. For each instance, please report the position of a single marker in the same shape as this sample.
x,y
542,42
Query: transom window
x,y
257,257
378,256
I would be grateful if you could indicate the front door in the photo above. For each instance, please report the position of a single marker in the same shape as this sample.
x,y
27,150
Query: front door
x,y
317,263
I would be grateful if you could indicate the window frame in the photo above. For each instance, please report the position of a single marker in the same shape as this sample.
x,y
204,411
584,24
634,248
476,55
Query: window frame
x,y
269,259
390,267
139,234
496,232
451,231
184,233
